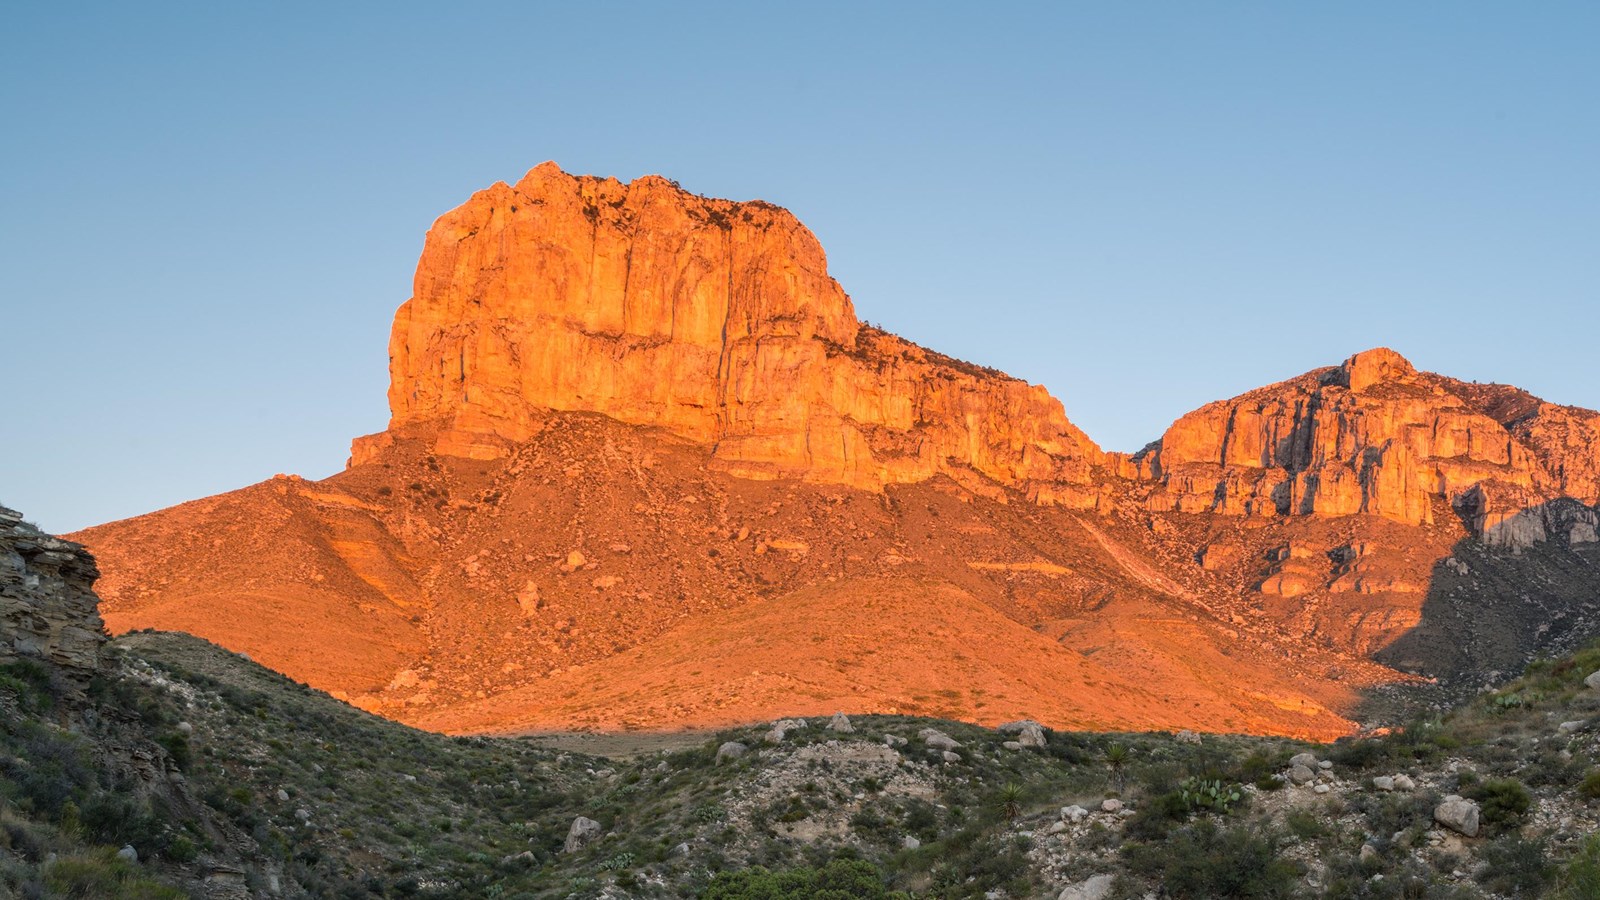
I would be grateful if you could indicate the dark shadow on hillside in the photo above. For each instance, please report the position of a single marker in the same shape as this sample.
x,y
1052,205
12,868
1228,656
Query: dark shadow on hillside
x,y
1530,588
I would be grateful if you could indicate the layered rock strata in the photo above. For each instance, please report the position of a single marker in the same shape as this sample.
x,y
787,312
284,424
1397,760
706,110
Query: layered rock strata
x,y
48,610
1374,436
714,320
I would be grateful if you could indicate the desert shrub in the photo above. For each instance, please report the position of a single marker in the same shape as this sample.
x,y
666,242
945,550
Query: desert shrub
x,y
1515,866
1420,741
1257,766
1305,825
978,862
1589,787
922,819
31,683
1205,860
841,879
1153,820
1549,768
102,874
1581,878
176,743
1502,802
50,769
1352,879
1389,813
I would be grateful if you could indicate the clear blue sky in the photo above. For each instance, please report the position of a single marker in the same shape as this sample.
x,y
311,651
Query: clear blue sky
x,y
208,212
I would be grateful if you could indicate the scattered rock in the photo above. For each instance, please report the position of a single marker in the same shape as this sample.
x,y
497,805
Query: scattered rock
x,y
1110,805
1457,814
1032,735
1322,789
128,854
938,740
1074,813
1309,760
840,723
731,750
1383,783
950,756
1096,888
526,857
781,729
1570,727
1011,745
528,599
1301,775
1404,783
894,740
1369,853
911,843
1593,681
1187,737
583,831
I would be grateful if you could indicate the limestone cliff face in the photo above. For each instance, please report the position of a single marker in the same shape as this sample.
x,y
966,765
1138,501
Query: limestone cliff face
x,y
48,610
1376,436
715,320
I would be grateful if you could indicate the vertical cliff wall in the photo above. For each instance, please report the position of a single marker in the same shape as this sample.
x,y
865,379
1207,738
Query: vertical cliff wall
x,y
715,320
1376,436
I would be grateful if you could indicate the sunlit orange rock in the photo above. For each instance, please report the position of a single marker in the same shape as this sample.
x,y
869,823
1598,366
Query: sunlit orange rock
x,y
1374,436
715,320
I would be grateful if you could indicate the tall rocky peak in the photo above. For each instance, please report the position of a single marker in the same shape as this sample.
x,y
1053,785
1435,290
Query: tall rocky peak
x,y
712,319
1376,436
48,610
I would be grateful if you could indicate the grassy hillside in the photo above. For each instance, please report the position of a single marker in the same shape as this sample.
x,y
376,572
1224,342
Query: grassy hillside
x,y
228,780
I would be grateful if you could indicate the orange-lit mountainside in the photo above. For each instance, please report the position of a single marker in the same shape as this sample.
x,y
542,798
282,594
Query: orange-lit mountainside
x,y
646,469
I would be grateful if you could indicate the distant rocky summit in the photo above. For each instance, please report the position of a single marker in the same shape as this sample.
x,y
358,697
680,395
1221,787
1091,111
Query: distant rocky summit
x,y
645,468
1376,436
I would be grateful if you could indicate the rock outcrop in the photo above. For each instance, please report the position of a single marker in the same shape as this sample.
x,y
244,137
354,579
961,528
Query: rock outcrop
x,y
48,610
1374,436
714,320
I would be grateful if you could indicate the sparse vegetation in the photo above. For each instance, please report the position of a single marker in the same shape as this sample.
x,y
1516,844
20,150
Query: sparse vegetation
x,y
319,786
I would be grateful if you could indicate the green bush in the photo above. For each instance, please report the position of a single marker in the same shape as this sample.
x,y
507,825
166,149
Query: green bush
x,y
102,875
841,879
30,683
1589,788
1581,879
1305,825
1204,860
1515,867
1502,802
